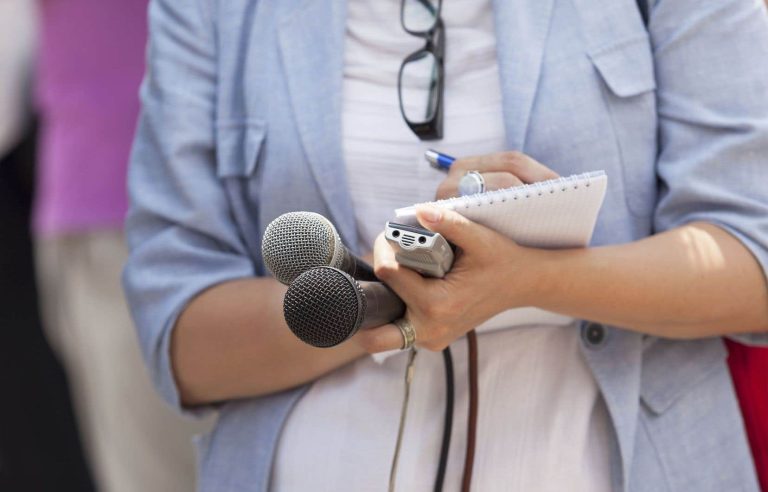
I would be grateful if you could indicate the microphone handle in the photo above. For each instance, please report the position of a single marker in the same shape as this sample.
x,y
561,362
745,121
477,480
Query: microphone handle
x,y
357,268
383,305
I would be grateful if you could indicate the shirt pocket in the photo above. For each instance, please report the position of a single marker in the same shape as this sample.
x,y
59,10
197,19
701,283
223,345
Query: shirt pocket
x,y
238,145
672,369
629,84
690,418
239,149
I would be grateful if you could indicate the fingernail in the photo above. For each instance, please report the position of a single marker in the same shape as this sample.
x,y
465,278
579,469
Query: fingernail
x,y
431,214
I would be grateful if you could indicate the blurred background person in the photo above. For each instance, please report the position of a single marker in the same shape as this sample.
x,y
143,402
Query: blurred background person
x,y
39,445
90,66
749,369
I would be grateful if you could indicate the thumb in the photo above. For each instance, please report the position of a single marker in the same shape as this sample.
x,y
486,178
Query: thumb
x,y
453,226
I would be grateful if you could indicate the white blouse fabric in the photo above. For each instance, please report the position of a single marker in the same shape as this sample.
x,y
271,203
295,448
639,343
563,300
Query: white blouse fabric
x,y
542,424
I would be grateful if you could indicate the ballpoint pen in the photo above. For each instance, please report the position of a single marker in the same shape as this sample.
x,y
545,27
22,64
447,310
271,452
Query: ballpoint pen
x,y
471,183
439,161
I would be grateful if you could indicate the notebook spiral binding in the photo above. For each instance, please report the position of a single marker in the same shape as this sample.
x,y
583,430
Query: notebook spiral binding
x,y
551,186
558,213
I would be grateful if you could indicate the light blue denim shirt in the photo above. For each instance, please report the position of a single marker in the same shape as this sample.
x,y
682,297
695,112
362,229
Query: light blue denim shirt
x,y
241,122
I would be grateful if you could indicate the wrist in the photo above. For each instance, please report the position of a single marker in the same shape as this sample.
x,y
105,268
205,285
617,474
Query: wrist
x,y
557,278
530,274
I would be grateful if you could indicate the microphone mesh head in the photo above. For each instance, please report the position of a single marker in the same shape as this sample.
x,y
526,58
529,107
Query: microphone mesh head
x,y
295,242
324,306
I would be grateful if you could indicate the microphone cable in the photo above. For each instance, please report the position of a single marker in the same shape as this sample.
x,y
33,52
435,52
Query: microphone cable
x,y
469,459
403,413
448,422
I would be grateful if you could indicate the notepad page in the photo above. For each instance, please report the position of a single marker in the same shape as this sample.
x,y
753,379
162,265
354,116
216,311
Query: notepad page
x,y
559,213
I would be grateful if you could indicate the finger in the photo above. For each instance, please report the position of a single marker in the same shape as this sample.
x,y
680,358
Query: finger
x,y
528,169
405,282
448,188
380,339
493,181
454,227
499,181
523,166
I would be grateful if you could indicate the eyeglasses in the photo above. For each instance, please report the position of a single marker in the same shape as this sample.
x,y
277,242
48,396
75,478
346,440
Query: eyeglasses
x,y
422,71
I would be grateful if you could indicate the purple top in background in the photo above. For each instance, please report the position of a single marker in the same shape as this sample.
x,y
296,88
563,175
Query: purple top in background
x,y
90,66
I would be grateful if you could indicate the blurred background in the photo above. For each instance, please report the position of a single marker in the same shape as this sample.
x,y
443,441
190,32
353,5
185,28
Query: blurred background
x,y
78,411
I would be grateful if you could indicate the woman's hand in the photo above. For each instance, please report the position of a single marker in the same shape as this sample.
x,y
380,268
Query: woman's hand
x,y
443,310
499,170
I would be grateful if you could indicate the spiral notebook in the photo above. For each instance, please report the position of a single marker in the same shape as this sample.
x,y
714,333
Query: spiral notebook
x,y
559,213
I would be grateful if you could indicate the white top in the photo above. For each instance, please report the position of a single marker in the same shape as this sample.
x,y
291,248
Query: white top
x,y
542,424
17,40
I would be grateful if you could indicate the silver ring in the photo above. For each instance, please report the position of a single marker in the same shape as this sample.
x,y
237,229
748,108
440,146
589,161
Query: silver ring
x,y
471,183
408,332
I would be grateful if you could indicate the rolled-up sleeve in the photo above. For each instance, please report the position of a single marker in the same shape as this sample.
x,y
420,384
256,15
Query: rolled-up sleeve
x,y
181,236
712,74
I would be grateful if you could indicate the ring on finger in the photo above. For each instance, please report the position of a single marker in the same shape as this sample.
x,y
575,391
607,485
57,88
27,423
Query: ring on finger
x,y
471,183
408,331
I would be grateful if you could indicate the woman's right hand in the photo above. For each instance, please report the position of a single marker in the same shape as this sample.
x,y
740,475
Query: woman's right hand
x,y
500,170
442,310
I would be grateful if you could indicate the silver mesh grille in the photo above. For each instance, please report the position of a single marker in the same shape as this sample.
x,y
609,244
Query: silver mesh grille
x,y
295,242
324,306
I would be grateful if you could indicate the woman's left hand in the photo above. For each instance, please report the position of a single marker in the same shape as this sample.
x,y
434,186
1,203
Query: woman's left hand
x,y
499,170
489,276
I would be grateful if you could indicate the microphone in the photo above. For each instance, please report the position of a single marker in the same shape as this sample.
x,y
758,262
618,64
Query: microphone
x,y
297,241
325,306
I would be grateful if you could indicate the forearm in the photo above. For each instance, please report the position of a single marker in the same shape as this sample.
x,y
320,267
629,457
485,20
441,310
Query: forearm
x,y
232,341
693,281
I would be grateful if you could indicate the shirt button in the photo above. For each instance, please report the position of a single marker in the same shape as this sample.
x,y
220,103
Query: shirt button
x,y
593,334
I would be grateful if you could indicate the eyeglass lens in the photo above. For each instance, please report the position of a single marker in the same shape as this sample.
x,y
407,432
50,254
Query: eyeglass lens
x,y
420,16
418,87
420,83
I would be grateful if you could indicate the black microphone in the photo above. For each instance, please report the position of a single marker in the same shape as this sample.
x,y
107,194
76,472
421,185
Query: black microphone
x,y
325,306
297,241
